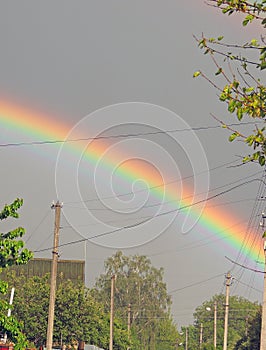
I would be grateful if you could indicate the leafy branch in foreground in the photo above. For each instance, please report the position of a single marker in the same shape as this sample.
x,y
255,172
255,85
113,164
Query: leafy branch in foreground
x,y
237,67
252,10
12,252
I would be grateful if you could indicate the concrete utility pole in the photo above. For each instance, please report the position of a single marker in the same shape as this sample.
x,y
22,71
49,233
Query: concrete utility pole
x,y
228,284
112,311
50,326
128,322
9,309
263,316
215,325
201,335
186,338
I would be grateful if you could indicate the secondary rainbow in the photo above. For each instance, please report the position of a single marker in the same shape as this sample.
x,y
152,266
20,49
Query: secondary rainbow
x,y
219,223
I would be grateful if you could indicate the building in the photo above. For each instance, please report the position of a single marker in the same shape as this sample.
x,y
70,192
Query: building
x,y
73,270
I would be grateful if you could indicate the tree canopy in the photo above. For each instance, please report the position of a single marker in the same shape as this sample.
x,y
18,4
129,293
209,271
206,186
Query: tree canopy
x,y
78,316
140,285
243,330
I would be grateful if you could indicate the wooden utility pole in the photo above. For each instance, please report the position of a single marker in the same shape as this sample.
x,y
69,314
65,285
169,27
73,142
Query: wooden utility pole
x,y
112,311
228,284
215,325
50,326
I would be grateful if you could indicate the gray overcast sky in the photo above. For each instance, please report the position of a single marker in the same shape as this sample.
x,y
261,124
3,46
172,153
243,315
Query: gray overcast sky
x,y
68,59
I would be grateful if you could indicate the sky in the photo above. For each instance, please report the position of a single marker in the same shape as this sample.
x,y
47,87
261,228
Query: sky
x,y
143,168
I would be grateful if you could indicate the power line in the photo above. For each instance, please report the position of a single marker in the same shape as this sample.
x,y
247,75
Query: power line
x,y
157,204
164,184
39,224
147,207
160,204
152,217
196,283
249,286
250,239
49,142
200,242
245,267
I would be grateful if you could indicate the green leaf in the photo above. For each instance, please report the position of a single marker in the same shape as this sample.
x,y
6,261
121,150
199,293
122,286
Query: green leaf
x,y
196,74
233,137
263,65
262,160
254,42
250,89
219,71
246,159
250,139
235,84
264,234
239,113
247,19
256,155
220,38
232,106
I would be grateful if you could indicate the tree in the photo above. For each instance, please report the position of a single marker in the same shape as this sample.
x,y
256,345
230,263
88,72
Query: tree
x,y
193,337
242,312
251,340
141,285
239,67
31,305
77,315
12,252
168,337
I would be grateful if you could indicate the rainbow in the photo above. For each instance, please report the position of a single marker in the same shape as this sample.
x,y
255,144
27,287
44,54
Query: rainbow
x,y
221,224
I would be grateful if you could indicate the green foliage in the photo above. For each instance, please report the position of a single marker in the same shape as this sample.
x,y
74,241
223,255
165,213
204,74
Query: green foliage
x,y
141,285
242,316
242,92
12,252
167,336
251,340
31,305
77,315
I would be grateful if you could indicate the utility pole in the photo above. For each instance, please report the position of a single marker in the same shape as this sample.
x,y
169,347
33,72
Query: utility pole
x,y
112,311
215,325
201,335
246,327
263,316
228,284
186,339
128,322
50,326
9,309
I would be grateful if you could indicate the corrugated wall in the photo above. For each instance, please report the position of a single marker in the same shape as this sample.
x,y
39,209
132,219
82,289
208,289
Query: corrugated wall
x,y
67,269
